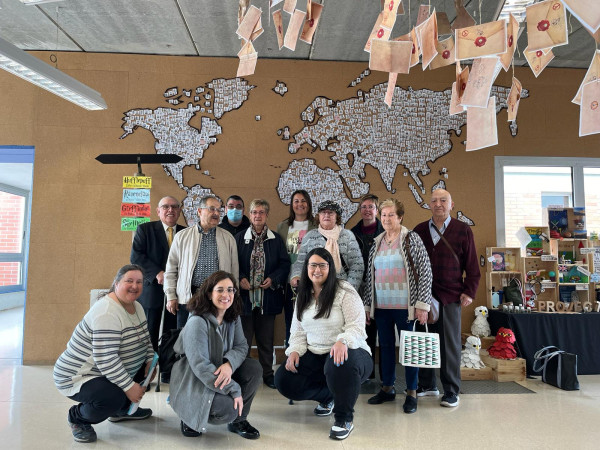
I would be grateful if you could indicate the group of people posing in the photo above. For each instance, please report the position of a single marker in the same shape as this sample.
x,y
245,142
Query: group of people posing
x,y
224,283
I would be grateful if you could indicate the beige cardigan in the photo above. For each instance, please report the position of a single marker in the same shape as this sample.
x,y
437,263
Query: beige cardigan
x,y
184,255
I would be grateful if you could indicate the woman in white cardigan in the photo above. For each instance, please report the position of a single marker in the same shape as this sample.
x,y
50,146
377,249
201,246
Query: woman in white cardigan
x,y
328,356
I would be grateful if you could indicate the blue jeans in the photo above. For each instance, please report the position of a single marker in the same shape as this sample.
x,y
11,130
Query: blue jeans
x,y
386,320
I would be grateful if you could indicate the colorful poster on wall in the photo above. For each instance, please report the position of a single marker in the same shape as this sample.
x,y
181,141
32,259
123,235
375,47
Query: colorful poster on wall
x,y
135,210
137,182
131,223
136,196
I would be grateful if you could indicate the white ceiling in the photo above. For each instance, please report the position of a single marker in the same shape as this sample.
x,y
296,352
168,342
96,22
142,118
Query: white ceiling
x,y
207,28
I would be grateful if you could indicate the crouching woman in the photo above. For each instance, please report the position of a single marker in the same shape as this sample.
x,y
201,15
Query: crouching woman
x,y
213,381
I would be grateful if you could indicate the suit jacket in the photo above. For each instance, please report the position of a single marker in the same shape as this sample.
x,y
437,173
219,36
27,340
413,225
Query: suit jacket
x,y
150,250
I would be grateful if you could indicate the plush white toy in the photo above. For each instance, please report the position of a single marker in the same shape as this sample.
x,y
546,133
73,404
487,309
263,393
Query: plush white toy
x,y
480,326
469,357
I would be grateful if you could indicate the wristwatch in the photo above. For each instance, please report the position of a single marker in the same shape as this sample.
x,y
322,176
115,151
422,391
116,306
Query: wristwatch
x,y
343,341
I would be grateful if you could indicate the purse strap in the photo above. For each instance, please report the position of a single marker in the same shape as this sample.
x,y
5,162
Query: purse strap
x,y
446,242
411,263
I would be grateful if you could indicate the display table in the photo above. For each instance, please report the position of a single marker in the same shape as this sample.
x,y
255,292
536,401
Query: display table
x,y
574,333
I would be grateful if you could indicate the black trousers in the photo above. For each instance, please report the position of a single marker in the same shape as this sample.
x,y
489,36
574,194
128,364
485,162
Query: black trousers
x,y
248,376
371,330
449,328
319,379
100,399
263,327
153,317
288,312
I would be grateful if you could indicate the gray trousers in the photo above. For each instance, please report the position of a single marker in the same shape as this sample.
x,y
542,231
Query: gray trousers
x,y
449,328
249,377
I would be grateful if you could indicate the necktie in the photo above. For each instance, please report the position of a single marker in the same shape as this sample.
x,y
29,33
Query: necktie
x,y
170,236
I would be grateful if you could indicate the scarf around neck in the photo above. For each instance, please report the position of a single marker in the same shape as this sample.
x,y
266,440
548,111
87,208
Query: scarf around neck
x,y
331,244
257,267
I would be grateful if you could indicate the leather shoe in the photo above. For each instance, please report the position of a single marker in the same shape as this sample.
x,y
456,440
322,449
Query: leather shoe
x,y
188,432
382,397
410,405
244,429
165,378
270,381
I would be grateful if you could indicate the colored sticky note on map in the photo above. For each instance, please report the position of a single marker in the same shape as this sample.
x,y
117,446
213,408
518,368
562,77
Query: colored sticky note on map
x,y
137,182
136,196
135,210
131,223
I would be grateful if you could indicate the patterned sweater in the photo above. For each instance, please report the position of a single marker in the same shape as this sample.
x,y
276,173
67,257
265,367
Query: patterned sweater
x,y
107,342
419,294
349,251
448,281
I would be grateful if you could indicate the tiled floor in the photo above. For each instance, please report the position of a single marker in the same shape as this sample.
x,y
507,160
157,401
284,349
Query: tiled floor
x,y
33,416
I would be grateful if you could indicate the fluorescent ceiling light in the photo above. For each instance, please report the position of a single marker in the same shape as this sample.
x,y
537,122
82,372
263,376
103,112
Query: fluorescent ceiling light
x,y
37,2
30,68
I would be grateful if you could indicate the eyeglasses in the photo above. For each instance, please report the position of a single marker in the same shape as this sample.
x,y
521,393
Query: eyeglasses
x,y
167,207
367,207
258,213
221,290
212,209
321,266
238,207
326,212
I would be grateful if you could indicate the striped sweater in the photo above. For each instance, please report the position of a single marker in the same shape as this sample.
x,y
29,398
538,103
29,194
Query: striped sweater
x,y
107,342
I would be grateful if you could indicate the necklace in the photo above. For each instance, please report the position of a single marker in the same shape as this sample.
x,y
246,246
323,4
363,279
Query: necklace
x,y
390,240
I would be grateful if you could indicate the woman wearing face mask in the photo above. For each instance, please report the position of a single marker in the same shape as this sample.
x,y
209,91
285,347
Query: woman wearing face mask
x,y
234,220
340,242
292,230
264,268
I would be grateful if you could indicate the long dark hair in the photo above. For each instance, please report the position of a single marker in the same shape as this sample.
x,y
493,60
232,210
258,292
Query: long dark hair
x,y
119,276
327,295
201,301
292,215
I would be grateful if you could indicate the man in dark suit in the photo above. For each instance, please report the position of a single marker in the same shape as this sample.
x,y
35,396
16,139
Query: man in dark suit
x,y
150,250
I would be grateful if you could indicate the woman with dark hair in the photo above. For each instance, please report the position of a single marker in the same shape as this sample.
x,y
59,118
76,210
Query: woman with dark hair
x,y
328,356
341,243
292,230
213,381
107,357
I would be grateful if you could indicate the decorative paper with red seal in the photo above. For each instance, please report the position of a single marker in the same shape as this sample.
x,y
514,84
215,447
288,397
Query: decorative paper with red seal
x,y
538,60
592,74
481,126
546,25
390,56
278,23
390,11
427,37
291,34
512,34
422,15
416,50
514,97
445,56
462,78
455,106
481,40
310,25
589,112
378,32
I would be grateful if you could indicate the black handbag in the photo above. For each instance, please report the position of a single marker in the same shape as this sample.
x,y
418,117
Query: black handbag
x,y
558,368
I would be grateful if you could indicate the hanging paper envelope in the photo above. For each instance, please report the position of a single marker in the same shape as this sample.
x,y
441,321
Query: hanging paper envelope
x,y
592,74
390,56
480,40
512,33
278,23
389,93
589,116
389,13
416,51
310,25
514,97
546,25
455,106
445,56
537,60
482,76
378,32
463,18
427,37
587,12
481,126
462,77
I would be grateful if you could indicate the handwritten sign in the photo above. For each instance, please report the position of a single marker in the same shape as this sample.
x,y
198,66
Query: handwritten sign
x,y
137,182
135,210
549,258
136,195
131,223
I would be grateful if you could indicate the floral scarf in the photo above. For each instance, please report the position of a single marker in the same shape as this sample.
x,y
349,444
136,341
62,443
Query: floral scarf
x,y
257,268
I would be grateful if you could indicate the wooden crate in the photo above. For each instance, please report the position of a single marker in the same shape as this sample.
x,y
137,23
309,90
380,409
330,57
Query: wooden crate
x,y
505,369
486,342
476,374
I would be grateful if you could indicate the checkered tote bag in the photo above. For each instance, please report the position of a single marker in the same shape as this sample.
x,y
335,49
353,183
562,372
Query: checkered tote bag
x,y
418,349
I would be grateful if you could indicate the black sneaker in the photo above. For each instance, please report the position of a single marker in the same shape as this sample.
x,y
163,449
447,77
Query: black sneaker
x,y
244,429
270,381
324,409
341,430
431,392
83,432
382,397
189,432
139,414
410,405
450,400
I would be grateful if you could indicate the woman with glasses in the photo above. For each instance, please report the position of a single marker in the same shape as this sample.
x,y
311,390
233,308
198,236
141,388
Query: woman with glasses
x,y
213,381
292,230
328,357
340,242
398,290
264,267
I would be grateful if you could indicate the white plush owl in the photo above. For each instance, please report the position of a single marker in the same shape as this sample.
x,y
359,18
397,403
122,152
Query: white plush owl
x,y
469,357
480,326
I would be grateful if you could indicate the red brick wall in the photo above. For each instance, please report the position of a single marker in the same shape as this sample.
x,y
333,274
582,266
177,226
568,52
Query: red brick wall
x,y
11,230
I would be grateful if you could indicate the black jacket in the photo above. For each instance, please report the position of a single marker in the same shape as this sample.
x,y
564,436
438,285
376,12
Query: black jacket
x,y
245,223
366,241
277,267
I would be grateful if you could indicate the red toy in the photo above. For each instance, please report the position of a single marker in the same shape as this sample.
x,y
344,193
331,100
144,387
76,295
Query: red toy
x,y
503,347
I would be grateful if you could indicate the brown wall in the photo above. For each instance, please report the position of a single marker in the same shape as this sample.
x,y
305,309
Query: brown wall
x,y
76,244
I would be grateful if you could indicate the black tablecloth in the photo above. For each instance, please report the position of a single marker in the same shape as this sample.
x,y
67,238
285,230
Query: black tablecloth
x,y
573,333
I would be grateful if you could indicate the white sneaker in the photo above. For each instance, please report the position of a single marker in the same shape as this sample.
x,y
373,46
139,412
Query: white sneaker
x,y
449,400
427,392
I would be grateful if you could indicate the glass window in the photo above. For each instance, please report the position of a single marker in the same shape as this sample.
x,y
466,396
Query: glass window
x,y
12,220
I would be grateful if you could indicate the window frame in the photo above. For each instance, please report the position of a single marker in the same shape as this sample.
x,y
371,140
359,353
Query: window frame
x,y
576,164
